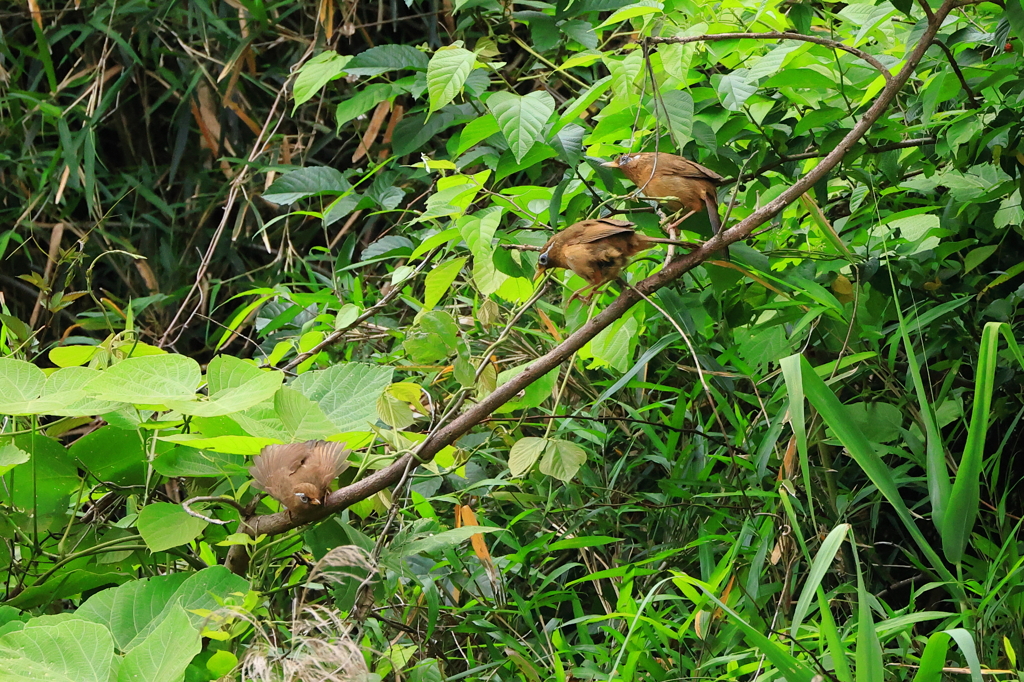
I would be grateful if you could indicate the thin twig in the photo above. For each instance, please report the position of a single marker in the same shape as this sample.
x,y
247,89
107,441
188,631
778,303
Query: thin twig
x,y
212,498
776,35
971,101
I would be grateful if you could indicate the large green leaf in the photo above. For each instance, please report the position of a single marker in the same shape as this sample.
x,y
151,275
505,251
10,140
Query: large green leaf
x,y
347,393
134,610
384,58
306,182
163,526
69,651
316,73
447,73
149,380
165,652
521,118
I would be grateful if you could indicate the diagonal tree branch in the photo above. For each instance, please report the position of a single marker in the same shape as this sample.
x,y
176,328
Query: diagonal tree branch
x,y
273,524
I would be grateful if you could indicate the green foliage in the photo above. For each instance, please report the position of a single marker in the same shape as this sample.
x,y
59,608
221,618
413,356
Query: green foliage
x,y
750,474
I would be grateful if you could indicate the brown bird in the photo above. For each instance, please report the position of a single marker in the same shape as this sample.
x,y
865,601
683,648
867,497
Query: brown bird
x,y
659,175
299,475
596,250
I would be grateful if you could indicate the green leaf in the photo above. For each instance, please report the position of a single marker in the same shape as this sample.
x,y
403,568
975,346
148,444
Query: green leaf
x,y
347,393
822,563
613,347
11,456
976,257
521,118
881,422
50,463
163,525
306,182
133,610
149,380
964,498
680,115
301,418
869,662
384,58
639,9
768,64
394,412
447,73
734,89
112,454
448,538
800,376
562,459
478,231
361,102
72,356
316,73
182,460
624,71
235,386
1014,14
439,280
568,142
70,651
165,653
524,454
476,131
20,381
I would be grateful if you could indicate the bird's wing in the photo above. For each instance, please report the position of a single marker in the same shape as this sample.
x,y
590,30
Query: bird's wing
x,y
677,165
273,467
604,228
324,463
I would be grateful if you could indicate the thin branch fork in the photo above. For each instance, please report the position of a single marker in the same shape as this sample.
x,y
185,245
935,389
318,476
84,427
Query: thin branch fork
x,y
777,35
274,524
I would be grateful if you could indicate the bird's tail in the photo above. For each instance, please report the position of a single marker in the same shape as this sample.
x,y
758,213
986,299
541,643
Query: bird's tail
x,y
711,202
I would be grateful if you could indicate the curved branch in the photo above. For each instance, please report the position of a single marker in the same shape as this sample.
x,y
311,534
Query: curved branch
x,y
274,524
777,35
903,144
186,505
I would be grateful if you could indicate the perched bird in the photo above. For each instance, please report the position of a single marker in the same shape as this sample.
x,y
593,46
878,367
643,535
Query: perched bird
x,y
659,176
299,475
596,250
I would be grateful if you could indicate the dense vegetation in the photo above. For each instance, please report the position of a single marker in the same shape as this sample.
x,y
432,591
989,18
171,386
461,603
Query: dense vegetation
x,y
232,224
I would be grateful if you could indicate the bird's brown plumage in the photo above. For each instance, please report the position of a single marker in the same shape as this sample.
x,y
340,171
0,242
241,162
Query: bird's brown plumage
x,y
299,475
660,175
596,250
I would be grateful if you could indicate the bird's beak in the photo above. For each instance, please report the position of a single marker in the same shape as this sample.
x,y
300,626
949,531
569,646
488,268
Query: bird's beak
x,y
540,273
611,164
314,501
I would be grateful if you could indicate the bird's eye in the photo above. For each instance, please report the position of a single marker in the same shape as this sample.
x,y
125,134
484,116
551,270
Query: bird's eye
x,y
543,260
303,497
624,159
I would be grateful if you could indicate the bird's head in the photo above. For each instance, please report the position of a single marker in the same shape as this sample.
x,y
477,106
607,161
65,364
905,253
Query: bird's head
x,y
307,494
543,263
624,161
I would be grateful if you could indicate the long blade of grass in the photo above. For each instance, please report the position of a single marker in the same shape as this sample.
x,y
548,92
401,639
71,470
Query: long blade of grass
x,y
869,651
963,498
939,485
822,561
850,435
